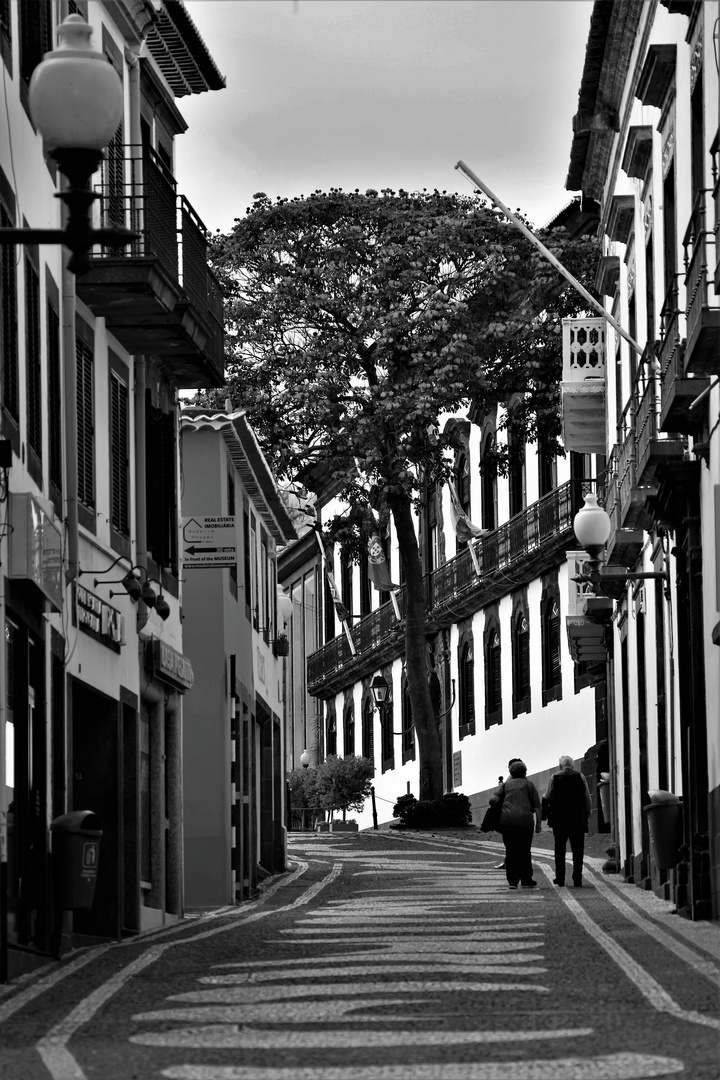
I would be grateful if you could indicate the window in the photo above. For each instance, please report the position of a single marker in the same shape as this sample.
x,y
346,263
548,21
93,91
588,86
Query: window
x,y
55,410
521,689
493,682
265,616
33,365
547,468
231,511
462,481
368,720
349,729
488,484
346,580
85,423
550,624
119,456
466,685
6,34
406,725
246,556
161,485
331,740
431,529
386,734
35,36
365,604
8,325
516,473
329,611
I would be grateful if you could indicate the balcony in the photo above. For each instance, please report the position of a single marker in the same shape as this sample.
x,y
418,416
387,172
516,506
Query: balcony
x,y
677,391
715,151
626,540
702,352
653,450
517,552
584,427
158,296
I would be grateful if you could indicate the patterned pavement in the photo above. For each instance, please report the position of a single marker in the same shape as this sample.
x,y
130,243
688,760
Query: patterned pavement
x,y
385,957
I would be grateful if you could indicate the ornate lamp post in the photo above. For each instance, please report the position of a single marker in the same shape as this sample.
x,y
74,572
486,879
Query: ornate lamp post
x,y
76,102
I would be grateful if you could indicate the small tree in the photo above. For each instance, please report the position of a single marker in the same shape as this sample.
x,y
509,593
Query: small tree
x,y
343,783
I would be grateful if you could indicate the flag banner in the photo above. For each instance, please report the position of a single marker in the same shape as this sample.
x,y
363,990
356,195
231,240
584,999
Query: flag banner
x,y
378,569
464,528
342,612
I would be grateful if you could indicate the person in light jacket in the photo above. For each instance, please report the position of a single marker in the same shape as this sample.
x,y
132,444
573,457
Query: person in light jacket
x,y
567,802
520,813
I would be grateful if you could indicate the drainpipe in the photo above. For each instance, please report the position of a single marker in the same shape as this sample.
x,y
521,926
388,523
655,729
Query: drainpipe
x,y
70,393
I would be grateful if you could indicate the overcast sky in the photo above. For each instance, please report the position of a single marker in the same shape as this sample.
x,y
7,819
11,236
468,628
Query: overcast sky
x,y
384,93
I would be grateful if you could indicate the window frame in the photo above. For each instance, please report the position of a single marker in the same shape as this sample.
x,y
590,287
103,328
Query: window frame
x,y
551,626
521,674
492,655
119,477
85,398
466,684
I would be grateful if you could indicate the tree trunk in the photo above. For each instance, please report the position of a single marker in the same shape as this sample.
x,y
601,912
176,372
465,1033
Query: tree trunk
x,y
426,724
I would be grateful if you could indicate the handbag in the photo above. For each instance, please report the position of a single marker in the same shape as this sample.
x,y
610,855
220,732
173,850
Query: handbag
x,y
491,821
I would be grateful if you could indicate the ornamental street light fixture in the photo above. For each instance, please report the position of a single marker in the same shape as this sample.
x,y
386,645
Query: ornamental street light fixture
x,y
76,103
592,526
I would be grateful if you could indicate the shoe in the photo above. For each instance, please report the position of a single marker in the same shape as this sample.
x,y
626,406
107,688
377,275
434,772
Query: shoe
x,y
512,886
529,884
577,884
500,866
559,883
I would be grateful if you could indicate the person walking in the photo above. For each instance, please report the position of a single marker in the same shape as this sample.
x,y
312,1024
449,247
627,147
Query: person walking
x,y
520,811
501,865
567,800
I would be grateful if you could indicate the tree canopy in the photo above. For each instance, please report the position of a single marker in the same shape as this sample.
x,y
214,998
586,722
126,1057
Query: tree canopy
x,y
355,322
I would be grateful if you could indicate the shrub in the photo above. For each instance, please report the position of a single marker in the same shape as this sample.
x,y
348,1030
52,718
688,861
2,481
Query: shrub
x,y
452,810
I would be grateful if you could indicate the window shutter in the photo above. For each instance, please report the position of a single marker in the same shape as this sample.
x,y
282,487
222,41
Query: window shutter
x,y
85,430
8,342
554,645
33,361
119,494
368,749
55,411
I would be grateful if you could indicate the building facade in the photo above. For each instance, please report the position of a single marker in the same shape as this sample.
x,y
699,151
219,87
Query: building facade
x,y
645,158
501,676
93,668
235,630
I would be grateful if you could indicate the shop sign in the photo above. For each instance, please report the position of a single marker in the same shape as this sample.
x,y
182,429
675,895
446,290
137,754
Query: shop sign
x,y
169,665
36,547
99,619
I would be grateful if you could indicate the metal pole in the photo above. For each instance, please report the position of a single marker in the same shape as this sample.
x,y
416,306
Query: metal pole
x,y
463,168
374,807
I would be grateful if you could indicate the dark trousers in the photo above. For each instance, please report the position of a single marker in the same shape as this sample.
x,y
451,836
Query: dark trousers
x,y
576,836
518,862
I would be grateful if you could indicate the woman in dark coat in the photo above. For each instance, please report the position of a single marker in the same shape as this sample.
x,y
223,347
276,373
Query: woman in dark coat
x,y
520,814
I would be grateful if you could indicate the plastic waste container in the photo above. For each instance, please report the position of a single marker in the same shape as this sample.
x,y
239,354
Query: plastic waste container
x,y
75,855
665,826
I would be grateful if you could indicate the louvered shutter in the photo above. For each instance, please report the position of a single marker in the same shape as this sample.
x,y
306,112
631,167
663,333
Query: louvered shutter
x,y
8,343
554,645
33,363
367,732
55,410
119,494
85,425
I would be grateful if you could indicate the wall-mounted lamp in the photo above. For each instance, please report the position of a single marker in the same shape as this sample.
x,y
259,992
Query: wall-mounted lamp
x,y
380,688
129,582
592,526
76,102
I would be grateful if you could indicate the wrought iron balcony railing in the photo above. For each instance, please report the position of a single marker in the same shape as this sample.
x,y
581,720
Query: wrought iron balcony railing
x,y
703,319
505,558
139,191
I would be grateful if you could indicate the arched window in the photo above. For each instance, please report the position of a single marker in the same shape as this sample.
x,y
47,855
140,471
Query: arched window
x,y
466,685
406,725
346,581
493,681
430,522
368,720
349,729
488,483
462,480
551,642
547,468
388,742
516,473
521,659
331,740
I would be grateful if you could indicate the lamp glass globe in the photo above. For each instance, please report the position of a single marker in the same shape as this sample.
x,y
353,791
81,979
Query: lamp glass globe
x,y
75,95
592,524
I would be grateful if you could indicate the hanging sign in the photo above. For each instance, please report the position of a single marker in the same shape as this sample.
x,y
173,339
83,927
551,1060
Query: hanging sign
x,y
209,542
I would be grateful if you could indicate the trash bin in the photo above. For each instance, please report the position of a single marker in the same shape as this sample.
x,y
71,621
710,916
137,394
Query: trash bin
x,y
75,856
665,826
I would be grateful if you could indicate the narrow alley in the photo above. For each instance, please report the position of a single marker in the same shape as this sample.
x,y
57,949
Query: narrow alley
x,y
386,957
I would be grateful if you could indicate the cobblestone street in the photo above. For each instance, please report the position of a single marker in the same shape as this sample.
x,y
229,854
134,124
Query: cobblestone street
x,y
386,957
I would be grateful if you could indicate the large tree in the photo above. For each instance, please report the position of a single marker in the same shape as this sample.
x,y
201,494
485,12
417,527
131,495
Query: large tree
x,y
355,322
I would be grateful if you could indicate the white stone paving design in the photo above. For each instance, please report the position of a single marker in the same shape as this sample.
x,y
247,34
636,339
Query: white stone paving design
x,y
449,945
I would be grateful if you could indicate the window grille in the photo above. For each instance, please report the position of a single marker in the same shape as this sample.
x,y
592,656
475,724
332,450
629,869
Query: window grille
x,y
85,424
119,471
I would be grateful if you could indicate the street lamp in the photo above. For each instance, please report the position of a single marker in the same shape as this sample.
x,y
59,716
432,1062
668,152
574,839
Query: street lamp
x,y
380,688
305,759
592,526
76,103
